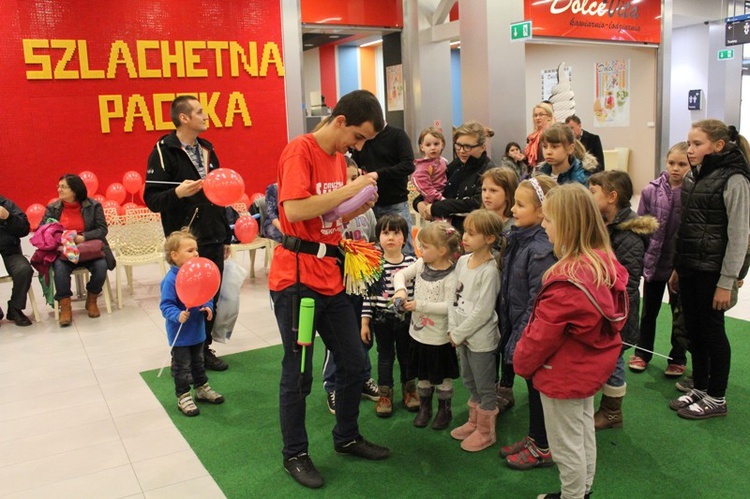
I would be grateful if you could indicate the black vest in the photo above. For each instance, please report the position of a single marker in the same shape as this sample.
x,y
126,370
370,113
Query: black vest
x,y
702,236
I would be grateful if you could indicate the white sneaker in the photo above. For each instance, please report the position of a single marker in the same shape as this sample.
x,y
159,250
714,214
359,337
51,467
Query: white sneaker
x,y
186,405
206,394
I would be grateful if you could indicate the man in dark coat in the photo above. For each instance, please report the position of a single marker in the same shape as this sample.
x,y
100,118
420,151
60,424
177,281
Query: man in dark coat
x,y
590,141
13,226
174,187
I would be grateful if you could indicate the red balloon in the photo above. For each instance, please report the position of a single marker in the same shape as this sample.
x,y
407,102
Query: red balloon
x,y
34,213
52,200
99,198
245,229
223,186
197,281
116,192
91,182
245,199
255,197
114,204
132,181
131,206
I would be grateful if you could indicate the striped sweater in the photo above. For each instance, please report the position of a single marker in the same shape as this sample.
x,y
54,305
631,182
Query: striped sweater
x,y
377,304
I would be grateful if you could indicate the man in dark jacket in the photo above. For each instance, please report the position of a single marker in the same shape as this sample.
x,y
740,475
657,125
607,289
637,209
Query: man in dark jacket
x,y
390,154
174,187
590,141
13,226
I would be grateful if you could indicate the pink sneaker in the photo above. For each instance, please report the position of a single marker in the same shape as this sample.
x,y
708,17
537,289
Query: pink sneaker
x,y
674,371
637,364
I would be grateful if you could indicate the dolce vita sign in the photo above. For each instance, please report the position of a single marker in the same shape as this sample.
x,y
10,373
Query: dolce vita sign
x,y
616,20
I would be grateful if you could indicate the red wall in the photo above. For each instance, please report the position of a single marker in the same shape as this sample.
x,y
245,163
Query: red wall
x,y
83,94
388,13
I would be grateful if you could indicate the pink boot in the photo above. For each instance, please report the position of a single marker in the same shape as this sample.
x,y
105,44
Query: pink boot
x,y
467,428
484,435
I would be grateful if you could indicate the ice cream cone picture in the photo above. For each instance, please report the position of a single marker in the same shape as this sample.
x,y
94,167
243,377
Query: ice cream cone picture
x,y
562,96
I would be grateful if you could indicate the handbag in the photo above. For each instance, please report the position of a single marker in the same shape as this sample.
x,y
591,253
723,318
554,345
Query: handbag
x,y
92,249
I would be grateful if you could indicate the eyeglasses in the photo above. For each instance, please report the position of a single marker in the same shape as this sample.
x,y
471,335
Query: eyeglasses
x,y
465,147
541,115
63,186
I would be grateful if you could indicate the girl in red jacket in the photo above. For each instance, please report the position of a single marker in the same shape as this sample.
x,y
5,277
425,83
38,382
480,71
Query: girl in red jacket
x,y
578,315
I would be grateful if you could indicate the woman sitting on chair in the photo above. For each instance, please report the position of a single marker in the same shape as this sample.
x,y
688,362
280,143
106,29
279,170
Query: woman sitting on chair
x,y
77,212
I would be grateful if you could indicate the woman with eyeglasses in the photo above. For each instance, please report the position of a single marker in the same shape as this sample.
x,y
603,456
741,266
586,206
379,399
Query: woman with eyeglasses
x,y
83,219
463,192
543,116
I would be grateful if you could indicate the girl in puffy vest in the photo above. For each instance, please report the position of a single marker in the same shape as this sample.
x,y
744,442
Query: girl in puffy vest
x,y
711,245
661,198
572,341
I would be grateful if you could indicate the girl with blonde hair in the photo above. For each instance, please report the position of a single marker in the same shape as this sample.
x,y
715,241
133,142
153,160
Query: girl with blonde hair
x,y
572,342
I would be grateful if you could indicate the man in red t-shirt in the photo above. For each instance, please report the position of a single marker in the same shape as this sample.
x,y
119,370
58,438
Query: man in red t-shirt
x,y
312,182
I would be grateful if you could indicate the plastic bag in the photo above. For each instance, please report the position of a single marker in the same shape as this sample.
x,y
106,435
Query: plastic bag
x,y
228,306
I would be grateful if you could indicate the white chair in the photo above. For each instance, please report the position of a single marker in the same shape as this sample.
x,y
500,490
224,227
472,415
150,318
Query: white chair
x,y
32,298
258,243
140,241
82,275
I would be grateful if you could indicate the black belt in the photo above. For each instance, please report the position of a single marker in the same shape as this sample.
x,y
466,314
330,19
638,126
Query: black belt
x,y
318,249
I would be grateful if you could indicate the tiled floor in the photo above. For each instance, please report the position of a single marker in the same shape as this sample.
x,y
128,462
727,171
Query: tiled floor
x,y
76,420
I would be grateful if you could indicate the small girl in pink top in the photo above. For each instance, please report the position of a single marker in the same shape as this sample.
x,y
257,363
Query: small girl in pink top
x,y
429,175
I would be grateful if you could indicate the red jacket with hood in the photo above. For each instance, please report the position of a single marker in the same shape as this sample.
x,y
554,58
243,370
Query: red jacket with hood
x,y
571,344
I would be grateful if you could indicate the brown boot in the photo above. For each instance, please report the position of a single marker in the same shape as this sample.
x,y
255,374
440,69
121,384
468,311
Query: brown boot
x,y
505,397
424,415
91,307
66,312
444,415
609,414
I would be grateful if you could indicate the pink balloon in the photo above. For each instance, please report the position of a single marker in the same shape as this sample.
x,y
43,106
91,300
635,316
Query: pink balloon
x,y
116,192
132,181
245,199
255,197
91,182
99,198
351,204
52,200
245,229
114,204
197,281
223,187
34,213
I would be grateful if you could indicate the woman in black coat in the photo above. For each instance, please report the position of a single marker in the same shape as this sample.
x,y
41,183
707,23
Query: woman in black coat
x,y
463,192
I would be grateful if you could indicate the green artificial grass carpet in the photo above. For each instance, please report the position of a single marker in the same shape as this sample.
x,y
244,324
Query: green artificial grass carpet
x,y
655,455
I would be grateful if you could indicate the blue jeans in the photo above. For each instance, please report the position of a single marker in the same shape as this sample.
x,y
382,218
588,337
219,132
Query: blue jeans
x,y
617,378
398,209
336,324
393,341
187,361
329,364
63,269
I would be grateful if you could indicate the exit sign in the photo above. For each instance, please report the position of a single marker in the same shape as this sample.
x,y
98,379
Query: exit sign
x,y
726,54
520,31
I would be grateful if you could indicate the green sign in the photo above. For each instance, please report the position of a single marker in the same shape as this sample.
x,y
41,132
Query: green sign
x,y
520,31
726,54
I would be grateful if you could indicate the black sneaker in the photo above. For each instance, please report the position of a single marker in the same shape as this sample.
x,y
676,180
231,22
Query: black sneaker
x,y
303,471
212,362
685,385
364,449
18,317
331,401
370,390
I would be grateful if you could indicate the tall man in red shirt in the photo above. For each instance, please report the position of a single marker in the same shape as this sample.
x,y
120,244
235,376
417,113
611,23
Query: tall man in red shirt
x,y
312,181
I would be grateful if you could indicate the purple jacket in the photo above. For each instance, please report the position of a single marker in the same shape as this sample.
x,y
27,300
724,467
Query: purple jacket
x,y
660,200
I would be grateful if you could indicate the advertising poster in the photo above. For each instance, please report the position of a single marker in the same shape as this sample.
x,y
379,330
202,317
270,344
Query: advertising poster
x,y
612,98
